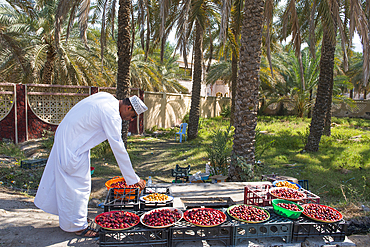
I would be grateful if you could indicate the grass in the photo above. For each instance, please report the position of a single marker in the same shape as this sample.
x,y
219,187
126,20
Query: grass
x,y
338,173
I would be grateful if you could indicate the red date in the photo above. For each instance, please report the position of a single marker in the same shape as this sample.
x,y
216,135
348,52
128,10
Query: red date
x,y
122,184
248,213
287,193
321,212
204,216
117,220
161,217
289,206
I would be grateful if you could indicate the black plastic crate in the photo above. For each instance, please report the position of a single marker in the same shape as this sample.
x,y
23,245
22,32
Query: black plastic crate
x,y
32,164
136,236
304,227
303,184
184,231
276,226
122,198
145,206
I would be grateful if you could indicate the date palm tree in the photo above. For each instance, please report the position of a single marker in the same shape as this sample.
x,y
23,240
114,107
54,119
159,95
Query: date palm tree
x,y
246,100
72,64
194,18
330,17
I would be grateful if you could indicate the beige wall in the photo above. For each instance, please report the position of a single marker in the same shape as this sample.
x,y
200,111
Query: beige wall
x,y
168,110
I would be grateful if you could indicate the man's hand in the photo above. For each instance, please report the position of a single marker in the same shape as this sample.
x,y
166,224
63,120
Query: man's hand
x,y
141,184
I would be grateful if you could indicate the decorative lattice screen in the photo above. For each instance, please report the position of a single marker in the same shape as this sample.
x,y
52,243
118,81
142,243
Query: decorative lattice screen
x,y
51,104
6,99
273,106
359,107
289,106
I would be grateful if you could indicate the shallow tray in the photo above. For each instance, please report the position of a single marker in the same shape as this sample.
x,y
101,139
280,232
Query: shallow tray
x,y
194,209
117,229
325,221
170,199
159,209
228,211
271,191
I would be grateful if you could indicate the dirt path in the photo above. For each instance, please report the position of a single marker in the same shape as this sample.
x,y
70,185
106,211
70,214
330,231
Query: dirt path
x,y
23,224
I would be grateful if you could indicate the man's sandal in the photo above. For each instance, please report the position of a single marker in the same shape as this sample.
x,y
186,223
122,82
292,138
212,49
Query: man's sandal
x,y
85,235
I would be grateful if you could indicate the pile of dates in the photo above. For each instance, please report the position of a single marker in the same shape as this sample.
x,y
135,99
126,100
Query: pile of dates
x,y
156,197
248,213
122,184
321,212
287,193
289,206
287,184
205,216
117,220
161,217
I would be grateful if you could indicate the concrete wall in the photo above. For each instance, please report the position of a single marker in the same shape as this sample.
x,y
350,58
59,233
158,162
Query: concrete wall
x,y
167,110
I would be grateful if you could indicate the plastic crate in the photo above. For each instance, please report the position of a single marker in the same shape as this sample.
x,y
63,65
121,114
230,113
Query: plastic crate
x,y
259,195
31,164
144,206
122,198
276,226
184,231
304,227
310,197
136,236
304,184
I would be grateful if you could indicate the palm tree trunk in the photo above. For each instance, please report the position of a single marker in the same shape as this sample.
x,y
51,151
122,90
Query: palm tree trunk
x,y
324,91
234,77
49,65
197,80
124,57
246,100
327,122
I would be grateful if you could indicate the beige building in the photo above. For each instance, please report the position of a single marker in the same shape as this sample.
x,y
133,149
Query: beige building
x,y
218,89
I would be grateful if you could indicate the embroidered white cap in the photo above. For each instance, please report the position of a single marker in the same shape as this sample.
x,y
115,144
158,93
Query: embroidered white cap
x,y
138,104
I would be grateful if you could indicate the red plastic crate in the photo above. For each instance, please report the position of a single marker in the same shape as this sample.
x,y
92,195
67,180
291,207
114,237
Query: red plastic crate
x,y
259,195
310,197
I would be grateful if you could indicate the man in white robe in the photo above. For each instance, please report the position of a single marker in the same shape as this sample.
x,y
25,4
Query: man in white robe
x,y
65,185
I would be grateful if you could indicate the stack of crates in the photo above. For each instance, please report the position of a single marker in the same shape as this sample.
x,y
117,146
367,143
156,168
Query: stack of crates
x,y
145,206
303,228
135,236
128,199
121,199
184,231
275,226
259,195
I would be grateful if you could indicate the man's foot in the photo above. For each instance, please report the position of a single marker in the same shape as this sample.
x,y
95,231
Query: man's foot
x,y
88,233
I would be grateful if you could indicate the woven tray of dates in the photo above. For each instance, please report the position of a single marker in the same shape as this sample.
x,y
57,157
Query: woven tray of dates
x,y
205,217
117,220
287,194
161,217
156,197
248,213
321,213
